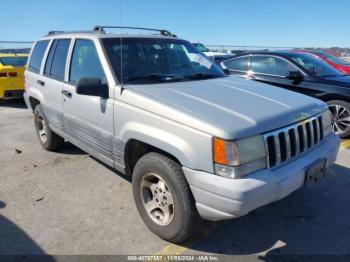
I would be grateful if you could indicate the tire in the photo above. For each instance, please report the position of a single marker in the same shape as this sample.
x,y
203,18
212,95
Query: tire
x,y
340,117
185,220
48,139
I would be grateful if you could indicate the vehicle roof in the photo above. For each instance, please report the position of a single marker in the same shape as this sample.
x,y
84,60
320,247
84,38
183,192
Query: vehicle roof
x,y
283,53
13,55
99,35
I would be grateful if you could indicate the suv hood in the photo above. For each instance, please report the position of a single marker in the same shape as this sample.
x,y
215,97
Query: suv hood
x,y
229,107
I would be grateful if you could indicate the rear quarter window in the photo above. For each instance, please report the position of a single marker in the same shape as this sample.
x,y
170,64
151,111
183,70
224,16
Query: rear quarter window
x,y
37,56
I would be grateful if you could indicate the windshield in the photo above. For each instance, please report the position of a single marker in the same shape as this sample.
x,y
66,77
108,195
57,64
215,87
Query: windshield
x,y
147,60
201,47
333,59
13,61
314,65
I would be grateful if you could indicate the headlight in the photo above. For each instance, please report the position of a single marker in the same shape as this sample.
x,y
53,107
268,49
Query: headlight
x,y
238,158
327,122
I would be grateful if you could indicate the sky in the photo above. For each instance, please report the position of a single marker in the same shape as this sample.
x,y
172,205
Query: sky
x,y
278,23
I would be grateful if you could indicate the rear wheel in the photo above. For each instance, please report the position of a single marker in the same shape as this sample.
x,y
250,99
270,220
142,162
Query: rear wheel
x,y
340,117
48,139
164,199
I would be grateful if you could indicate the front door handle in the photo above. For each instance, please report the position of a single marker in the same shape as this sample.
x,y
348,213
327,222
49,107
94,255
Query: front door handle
x,y
66,93
42,83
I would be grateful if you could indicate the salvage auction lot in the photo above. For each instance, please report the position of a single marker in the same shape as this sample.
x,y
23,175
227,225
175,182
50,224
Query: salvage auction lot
x,y
69,203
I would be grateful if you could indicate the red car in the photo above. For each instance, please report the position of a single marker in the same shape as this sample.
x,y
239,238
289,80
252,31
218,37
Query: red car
x,y
336,62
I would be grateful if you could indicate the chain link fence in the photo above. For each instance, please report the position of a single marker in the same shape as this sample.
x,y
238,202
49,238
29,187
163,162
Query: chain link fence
x,y
15,46
25,46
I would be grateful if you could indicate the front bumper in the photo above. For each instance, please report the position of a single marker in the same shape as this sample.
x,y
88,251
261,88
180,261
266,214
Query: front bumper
x,y
219,198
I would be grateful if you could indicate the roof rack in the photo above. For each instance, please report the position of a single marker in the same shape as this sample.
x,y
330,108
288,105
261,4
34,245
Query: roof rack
x,y
101,29
67,32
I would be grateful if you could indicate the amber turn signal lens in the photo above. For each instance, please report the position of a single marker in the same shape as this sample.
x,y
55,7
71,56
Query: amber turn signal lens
x,y
219,151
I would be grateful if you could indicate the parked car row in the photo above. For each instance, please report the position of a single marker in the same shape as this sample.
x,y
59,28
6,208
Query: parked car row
x,y
198,144
302,72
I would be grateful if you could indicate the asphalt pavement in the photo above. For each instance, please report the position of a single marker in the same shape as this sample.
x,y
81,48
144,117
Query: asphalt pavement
x,y
68,203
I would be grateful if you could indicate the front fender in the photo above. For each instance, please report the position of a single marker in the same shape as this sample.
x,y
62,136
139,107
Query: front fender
x,y
168,142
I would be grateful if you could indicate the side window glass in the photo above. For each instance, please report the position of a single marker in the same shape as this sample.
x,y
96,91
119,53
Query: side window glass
x,y
37,56
271,66
49,59
238,64
85,62
57,58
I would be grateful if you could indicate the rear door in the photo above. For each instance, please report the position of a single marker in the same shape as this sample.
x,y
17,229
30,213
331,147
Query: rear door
x,y
52,82
88,120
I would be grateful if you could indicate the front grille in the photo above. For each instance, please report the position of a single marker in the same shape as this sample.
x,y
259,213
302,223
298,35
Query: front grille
x,y
287,143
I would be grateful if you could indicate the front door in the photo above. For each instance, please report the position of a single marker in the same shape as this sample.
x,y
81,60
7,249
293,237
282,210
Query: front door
x,y
273,70
88,120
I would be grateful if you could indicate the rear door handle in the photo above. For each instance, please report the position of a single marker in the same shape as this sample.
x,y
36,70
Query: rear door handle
x,y
42,83
66,93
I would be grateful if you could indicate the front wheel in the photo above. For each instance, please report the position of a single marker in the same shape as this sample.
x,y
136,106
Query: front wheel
x,y
340,117
164,199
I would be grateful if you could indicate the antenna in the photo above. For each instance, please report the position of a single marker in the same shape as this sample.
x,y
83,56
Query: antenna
x,y
121,46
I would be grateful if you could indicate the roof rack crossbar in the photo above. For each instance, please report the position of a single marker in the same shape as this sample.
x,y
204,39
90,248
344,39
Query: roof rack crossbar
x,y
101,29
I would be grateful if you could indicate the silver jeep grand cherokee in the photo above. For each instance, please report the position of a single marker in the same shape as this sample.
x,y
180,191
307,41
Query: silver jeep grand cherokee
x,y
197,143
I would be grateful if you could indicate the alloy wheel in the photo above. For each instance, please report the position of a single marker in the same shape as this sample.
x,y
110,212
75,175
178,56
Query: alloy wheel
x,y
157,199
41,124
340,118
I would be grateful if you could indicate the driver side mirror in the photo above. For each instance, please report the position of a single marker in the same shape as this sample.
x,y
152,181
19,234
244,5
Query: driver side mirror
x,y
90,86
294,75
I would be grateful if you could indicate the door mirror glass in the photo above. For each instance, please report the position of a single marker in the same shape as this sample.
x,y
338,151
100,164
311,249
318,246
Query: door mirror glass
x,y
90,86
294,75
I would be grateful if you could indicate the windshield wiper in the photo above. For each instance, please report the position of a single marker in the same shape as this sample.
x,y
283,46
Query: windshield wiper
x,y
154,77
200,76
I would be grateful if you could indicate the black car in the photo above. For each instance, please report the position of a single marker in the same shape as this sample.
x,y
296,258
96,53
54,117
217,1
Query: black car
x,y
301,73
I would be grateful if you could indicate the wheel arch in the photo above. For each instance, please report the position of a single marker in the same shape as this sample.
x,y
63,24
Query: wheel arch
x,y
330,97
141,139
135,149
33,102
